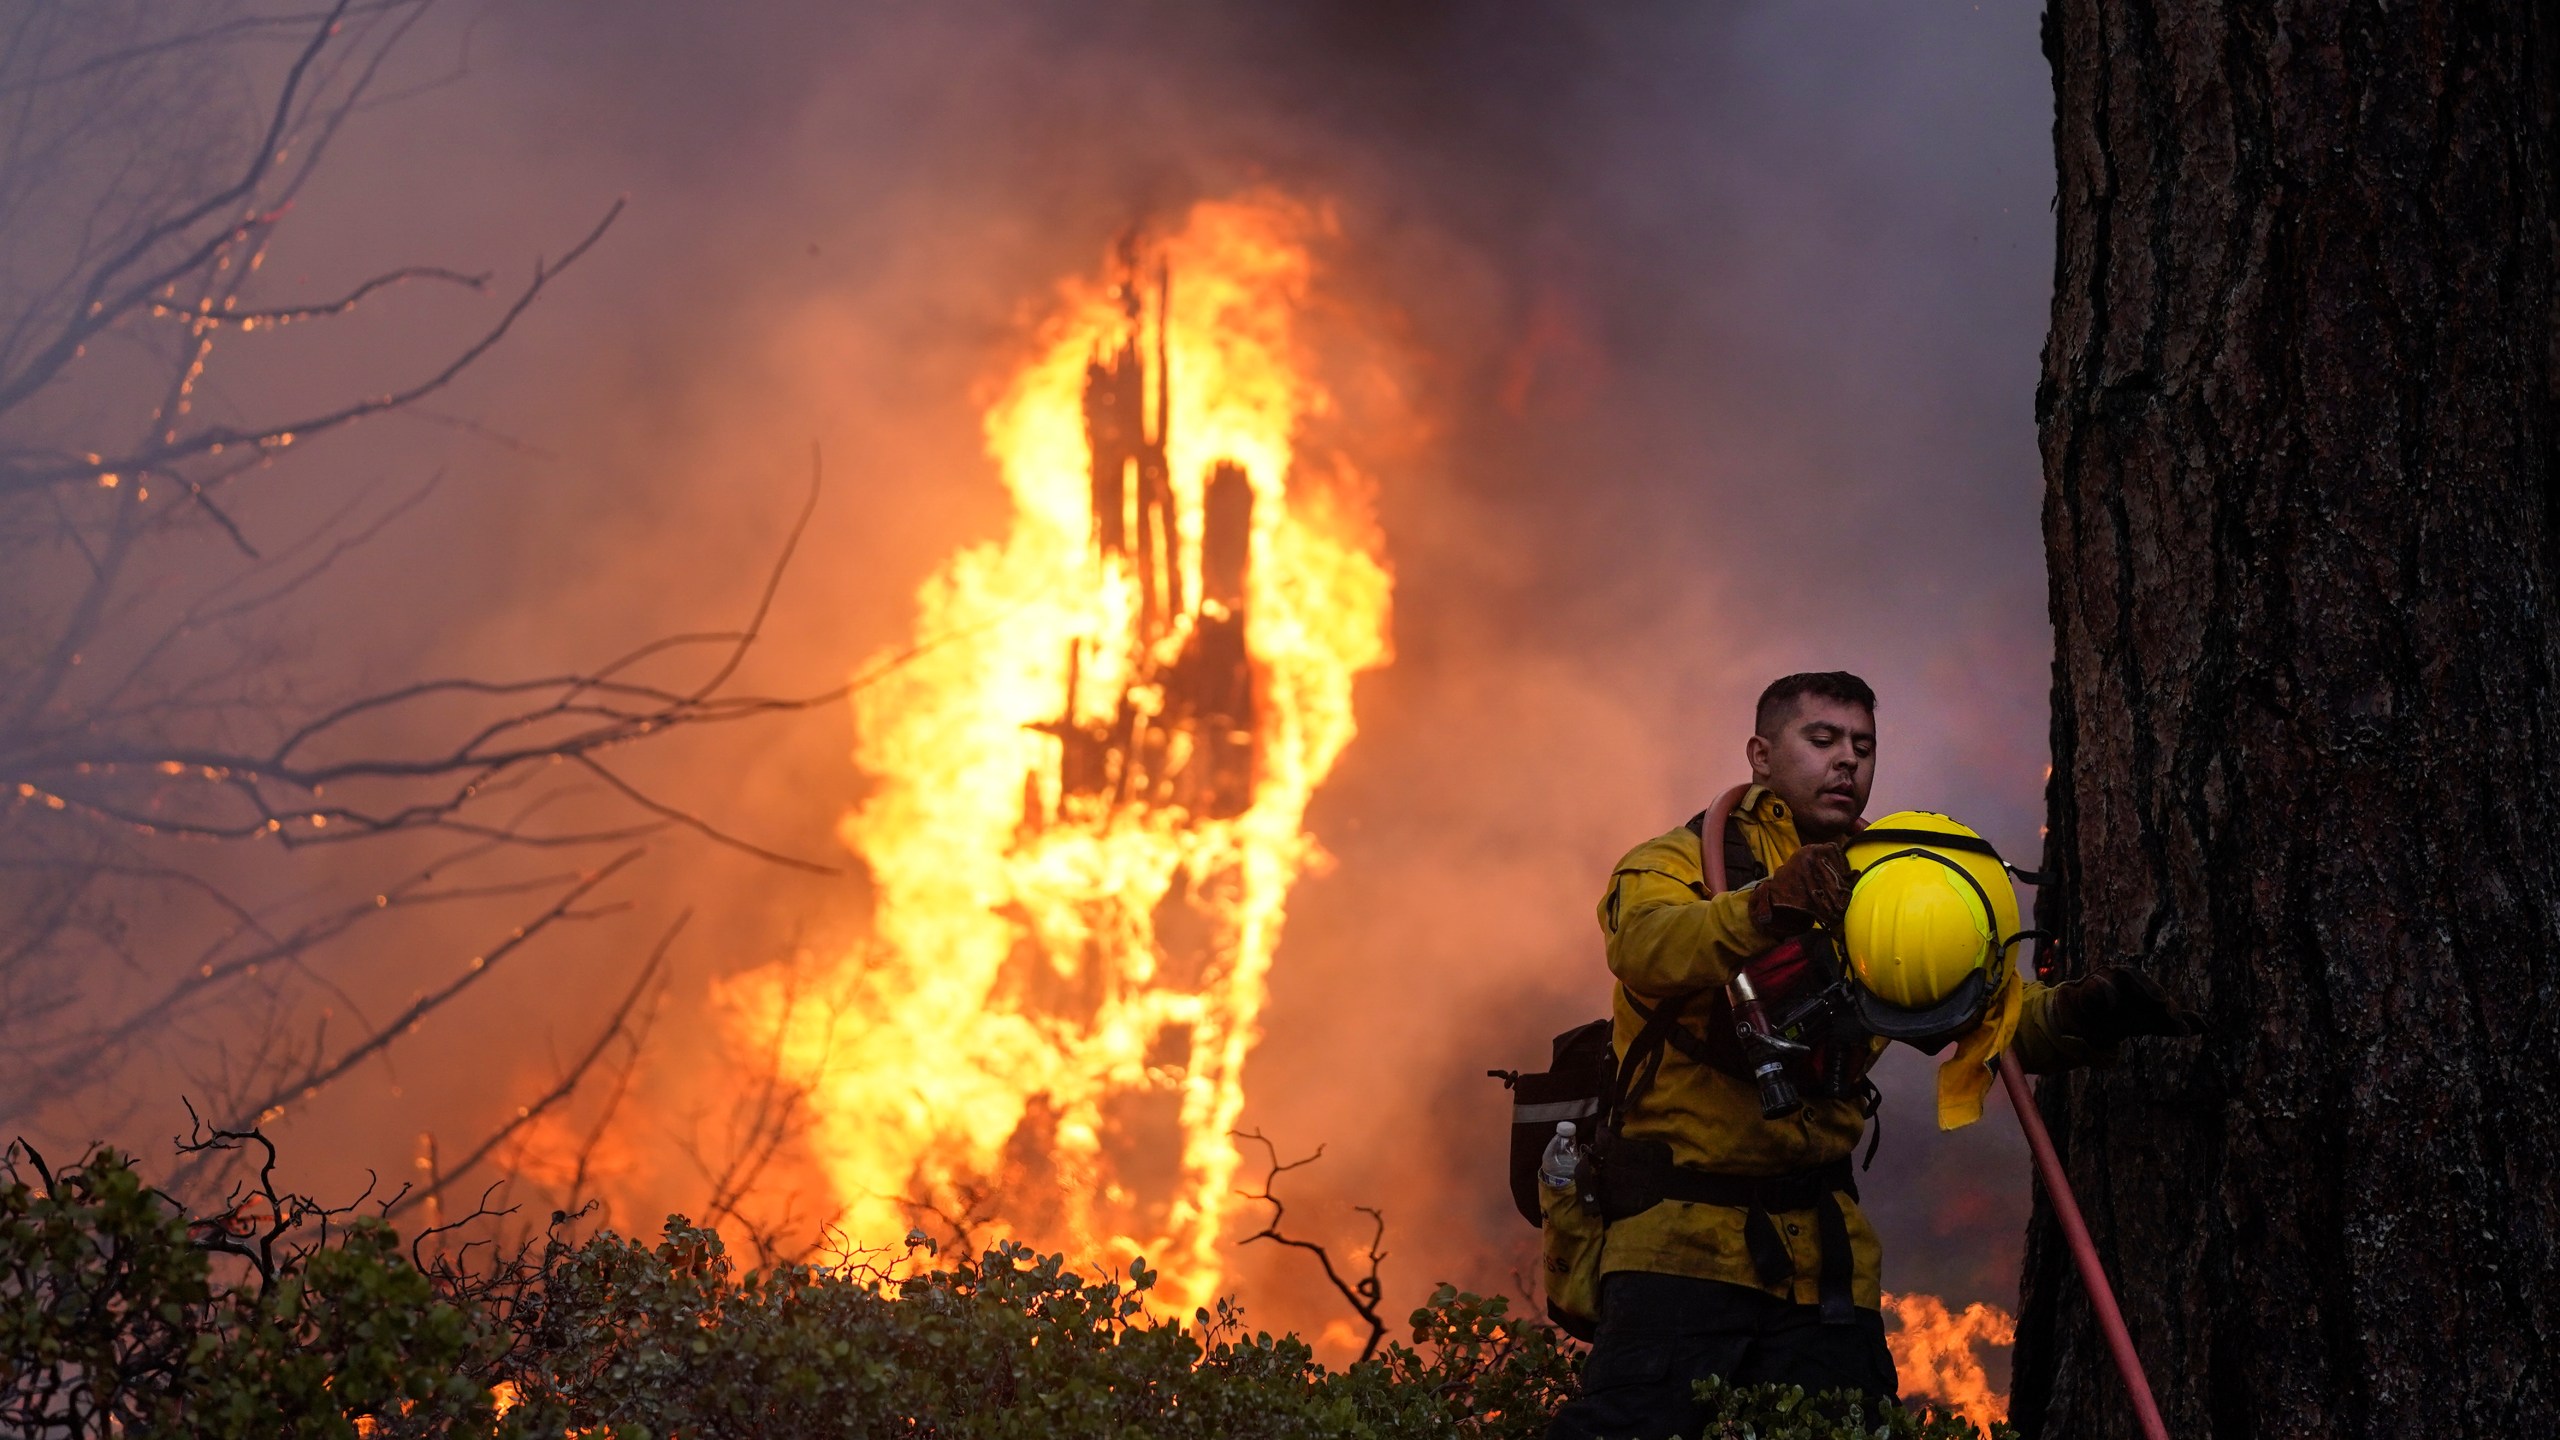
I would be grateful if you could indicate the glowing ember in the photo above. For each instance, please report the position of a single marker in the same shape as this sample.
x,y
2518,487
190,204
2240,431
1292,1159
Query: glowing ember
x,y
1089,792
1934,1353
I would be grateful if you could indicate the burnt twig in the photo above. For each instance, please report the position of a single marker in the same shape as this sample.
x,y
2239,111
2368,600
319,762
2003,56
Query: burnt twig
x,y
1363,1294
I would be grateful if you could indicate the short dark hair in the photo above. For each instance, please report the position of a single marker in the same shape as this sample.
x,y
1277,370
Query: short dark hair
x,y
1779,700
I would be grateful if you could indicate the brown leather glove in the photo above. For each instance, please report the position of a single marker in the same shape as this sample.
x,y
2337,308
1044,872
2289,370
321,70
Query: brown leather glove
x,y
1811,889
2114,1002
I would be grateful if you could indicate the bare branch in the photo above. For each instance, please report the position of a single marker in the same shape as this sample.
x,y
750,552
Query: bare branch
x,y
80,1054
254,319
144,708
772,580
97,309
615,1028
700,826
1362,1295
610,1111
320,1075
215,439
765,1117
251,25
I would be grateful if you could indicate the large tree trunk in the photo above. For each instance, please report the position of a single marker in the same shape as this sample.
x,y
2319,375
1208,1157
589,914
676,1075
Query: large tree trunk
x,y
2298,420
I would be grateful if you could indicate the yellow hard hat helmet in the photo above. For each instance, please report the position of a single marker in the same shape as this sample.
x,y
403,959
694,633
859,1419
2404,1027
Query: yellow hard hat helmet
x,y
1931,917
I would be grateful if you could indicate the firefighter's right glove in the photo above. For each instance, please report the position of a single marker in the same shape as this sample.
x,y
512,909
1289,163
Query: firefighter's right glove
x,y
1811,889
2114,1003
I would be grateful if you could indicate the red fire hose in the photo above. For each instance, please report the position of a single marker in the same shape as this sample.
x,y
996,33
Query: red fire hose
x,y
2066,1209
1711,852
2066,1206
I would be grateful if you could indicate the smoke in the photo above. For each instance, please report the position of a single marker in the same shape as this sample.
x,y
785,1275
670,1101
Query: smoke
x,y
1725,319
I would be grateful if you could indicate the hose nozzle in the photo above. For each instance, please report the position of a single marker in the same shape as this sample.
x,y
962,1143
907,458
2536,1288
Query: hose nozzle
x,y
1765,1050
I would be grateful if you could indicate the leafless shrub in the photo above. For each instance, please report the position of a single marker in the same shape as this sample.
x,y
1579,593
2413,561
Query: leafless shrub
x,y
168,773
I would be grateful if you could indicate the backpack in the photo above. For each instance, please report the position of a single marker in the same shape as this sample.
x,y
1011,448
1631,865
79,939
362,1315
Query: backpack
x,y
1588,1083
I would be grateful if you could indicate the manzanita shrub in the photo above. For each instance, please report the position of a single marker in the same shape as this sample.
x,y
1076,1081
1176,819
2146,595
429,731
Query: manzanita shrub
x,y
121,1316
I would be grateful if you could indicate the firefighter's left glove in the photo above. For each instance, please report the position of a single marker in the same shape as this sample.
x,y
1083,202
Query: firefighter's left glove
x,y
2114,1003
1811,888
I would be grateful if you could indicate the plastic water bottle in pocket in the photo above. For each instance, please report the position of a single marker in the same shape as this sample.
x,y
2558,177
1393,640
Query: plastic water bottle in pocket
x,y
1556,1167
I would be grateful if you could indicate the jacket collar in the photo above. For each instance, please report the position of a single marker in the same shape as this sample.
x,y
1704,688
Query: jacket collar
x,y
1762,804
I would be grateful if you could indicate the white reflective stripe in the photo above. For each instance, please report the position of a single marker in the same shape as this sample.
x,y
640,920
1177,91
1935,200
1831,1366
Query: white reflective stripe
x,y
1554,1110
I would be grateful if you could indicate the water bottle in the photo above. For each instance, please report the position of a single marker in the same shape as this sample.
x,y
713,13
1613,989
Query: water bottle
x,y
1556,1167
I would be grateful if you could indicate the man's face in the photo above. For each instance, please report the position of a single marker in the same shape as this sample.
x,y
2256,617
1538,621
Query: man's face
x,y
1821,762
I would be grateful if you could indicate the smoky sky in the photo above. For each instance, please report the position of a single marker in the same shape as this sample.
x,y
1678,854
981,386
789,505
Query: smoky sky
x,y
1722,321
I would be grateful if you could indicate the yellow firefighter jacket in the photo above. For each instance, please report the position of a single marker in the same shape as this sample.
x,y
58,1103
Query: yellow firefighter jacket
x,y
1664,940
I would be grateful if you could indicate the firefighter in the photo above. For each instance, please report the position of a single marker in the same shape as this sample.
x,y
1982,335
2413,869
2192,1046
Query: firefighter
x,y
1744,1254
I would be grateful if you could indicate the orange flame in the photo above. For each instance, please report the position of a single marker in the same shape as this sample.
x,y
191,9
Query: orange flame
x,y
1933,1351
1090,781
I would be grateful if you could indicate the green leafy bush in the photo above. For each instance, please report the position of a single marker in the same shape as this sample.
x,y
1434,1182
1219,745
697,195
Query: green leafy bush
x,y
1784,1412
113,1322
119,1315
672,1339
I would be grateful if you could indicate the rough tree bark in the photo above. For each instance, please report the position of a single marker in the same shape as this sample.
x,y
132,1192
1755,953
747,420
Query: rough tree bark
x,y
2299,425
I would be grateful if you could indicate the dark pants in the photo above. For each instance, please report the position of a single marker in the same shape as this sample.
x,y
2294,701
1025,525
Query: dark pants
x,y
1659,1333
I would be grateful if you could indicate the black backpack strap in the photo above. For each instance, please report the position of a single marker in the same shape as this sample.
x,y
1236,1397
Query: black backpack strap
x,y
1871,1106
1679,1037
1831,1223
1741,867
1643,1059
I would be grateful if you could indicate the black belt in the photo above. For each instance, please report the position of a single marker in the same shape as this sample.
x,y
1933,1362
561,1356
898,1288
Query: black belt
x,y
1817,1189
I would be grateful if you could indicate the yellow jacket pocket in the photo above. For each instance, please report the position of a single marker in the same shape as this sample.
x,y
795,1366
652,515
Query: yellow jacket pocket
x,y
1569,1236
